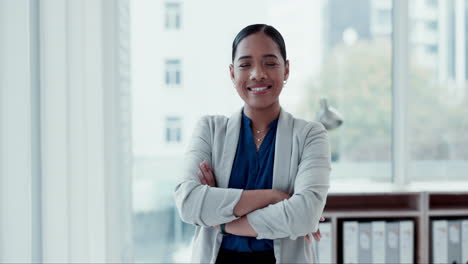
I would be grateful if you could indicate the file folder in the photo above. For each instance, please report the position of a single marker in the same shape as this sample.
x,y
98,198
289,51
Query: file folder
x,y
315,248
454,243
439,241
393,241
464,241
325,245
406,241
365,246
378,242
350,242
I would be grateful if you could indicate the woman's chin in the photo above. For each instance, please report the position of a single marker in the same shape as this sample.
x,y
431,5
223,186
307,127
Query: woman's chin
x,y
261,104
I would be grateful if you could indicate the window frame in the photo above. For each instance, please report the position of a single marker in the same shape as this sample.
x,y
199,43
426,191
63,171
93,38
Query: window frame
x,y
173,15
173,130
173,73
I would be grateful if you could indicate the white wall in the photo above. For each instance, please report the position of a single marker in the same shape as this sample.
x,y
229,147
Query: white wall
x,y
15,132
64,145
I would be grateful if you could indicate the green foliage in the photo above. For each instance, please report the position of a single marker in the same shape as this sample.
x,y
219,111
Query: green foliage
x,y
357,81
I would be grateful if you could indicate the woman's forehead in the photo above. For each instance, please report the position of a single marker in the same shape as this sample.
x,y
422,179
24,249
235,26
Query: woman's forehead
x,y
258,44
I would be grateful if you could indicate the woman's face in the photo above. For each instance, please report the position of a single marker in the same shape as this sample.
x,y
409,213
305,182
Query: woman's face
x,y
259,71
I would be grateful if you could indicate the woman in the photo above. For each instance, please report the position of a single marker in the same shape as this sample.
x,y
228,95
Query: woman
x,y
255,183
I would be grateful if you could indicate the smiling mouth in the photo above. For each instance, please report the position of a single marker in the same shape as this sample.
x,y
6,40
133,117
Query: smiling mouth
x,y
258,89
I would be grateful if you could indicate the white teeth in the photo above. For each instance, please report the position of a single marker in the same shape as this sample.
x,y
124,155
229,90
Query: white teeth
x,y
259,89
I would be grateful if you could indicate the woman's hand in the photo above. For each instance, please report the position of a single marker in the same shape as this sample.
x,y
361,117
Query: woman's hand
x,y
206,175
316,235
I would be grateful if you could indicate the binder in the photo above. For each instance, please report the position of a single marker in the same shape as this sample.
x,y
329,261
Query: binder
x,y
378,242
350,242
454,244
439,241
365,246
393,241
315,248
325,245
464,241
406,241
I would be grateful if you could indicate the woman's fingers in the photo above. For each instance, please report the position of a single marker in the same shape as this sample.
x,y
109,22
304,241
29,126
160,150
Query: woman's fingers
x,y
209,176
203,174
317,235
207,173
213,177
202,178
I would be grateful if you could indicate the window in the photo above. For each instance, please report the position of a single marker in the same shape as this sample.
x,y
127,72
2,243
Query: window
x,y
438,127
358,88
432,49
432,25
384,17
173,73
466,37
173,129
433,3
173,16
346,56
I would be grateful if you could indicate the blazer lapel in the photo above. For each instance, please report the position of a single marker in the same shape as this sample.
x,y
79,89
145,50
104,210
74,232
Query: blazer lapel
x,y
283,152
229,148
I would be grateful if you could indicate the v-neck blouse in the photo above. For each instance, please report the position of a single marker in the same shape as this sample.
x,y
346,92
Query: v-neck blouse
x,y
252,170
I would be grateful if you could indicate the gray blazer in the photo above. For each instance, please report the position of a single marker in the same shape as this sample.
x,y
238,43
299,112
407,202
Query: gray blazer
x,y
301,168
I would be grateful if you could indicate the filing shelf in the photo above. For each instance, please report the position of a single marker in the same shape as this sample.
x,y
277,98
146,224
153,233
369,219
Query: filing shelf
x,y
420,207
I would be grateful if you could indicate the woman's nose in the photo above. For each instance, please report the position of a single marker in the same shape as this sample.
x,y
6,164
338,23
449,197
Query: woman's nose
x,y
257,73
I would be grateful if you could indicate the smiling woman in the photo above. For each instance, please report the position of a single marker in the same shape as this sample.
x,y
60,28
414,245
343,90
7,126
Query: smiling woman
x,y
255,183
259,67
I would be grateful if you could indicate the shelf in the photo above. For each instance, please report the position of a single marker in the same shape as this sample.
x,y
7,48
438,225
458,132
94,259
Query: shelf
x,y
448,212
419,206
458,201
371,213
373,202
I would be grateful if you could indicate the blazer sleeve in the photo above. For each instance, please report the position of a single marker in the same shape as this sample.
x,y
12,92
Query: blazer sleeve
x,y
200,204
300,214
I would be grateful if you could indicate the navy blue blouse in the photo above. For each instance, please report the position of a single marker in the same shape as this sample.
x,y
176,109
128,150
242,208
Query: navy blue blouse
x,y
252,170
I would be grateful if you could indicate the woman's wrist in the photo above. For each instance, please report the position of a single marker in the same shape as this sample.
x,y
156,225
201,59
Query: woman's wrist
x,y
252,200
240,227
223,229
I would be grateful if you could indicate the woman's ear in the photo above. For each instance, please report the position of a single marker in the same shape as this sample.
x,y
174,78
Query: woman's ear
x,y
286,70
231,72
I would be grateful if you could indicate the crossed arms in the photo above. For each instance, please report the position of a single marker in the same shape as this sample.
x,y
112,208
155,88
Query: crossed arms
x,y
269,214
250,200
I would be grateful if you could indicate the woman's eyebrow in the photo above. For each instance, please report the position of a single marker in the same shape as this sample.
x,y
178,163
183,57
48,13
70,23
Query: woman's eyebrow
x,y
270,55
244,57
264,56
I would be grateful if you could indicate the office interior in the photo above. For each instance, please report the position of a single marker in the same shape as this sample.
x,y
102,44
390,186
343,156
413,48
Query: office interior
x,y
99,99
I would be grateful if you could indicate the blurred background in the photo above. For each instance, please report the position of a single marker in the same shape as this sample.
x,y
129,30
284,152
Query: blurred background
x,y
99,100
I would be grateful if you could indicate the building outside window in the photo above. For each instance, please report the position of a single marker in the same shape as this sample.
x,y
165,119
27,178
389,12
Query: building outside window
x,y
173,129
173,16
432,3
173,76
437,122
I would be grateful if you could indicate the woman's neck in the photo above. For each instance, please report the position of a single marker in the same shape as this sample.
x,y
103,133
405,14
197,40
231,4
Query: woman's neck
x,y
261,118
